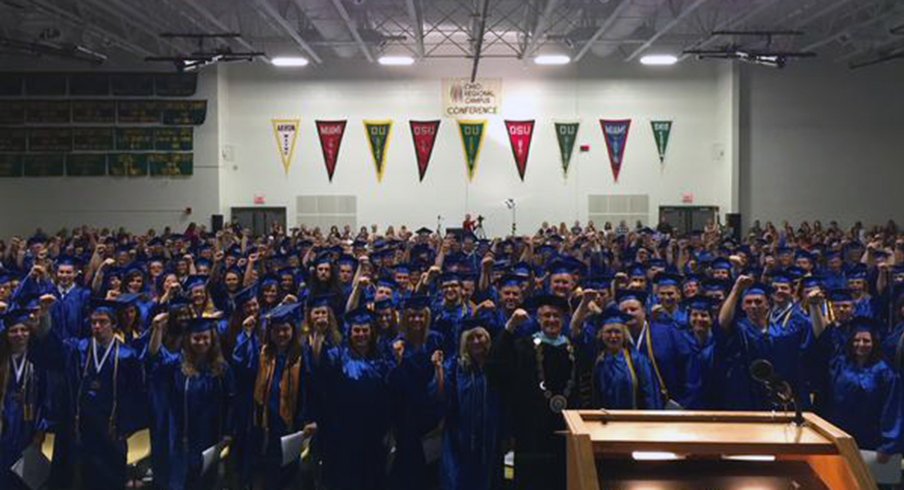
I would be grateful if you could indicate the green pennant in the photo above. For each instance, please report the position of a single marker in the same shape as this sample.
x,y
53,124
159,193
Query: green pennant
x,y
472,133
661,131
566,134
378,133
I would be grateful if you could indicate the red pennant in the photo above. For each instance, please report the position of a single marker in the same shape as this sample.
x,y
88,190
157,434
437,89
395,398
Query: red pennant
x,y
615,132
330,133
424,136
520,135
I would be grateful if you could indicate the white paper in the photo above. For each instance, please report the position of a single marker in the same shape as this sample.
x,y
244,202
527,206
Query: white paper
x,y
32,468
210,457
673,405
885,473
292,446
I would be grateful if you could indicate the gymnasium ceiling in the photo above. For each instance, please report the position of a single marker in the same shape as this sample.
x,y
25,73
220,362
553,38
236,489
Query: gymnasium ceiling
x,y
126,31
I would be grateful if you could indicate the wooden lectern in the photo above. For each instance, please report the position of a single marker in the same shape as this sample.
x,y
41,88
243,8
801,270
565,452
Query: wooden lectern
x,y
725,450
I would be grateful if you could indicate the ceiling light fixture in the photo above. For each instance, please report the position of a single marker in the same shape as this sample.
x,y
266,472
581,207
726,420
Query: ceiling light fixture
x,y
396,60
659,59
289,61
552,59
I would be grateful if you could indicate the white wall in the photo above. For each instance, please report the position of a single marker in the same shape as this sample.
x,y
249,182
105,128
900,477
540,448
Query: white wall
x,y
822,142
136,203
688,94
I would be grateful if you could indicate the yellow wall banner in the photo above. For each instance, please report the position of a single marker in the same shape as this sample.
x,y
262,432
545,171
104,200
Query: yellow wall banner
x,y
378,133
472,133
286,133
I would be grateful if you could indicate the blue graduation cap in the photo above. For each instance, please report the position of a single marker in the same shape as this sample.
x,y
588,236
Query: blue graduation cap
x,y
471,323
637,270
857,271
269,280
720,263
245,295
782,277
195,281
402,269
865,324
448,279
177,302
203,263
658,263
840,295
201,325
424,231
700,303
387,282
383,305
813,281
285,313
795,272
692,278
321,300
623,295
758,288
667,279
544,299
128,299
597,282
418,302
323,258
614,316
359,316
716,285
105,306
69,260
15,316
346,259
36,239
509,280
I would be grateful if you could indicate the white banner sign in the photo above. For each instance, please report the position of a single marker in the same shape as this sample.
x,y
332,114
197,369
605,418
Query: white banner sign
x,y
462,98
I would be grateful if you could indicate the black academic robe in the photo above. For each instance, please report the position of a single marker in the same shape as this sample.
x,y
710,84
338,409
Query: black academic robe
x,y
512,369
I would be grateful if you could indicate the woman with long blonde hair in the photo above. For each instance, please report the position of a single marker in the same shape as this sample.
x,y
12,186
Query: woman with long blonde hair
x,y
200,388
472,450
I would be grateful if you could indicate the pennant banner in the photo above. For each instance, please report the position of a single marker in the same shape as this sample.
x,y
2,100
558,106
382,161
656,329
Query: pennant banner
x,y
286,132
330,133
520,135
567,135
378,133
424,135
472,133
661,131
615,132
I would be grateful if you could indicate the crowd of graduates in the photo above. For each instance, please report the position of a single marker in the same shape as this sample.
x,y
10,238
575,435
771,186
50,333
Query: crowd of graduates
x,y
371,342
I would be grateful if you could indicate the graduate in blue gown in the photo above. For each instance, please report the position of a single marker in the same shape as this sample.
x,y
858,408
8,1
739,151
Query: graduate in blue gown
x,y
662,344
276,370
106,377
865,393
450,312
472,431
706,378
201,390
756,334
24,410
414,413
353,420
178,318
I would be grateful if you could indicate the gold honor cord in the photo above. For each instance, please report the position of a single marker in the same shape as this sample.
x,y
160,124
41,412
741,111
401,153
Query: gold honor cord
x,y
663,389
633,373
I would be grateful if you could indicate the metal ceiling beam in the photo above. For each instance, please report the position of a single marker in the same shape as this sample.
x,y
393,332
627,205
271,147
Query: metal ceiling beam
x,y
217,23
79,21
352,29
542,27
478,41
603,28
878,17
417,26
826,10
729,23
666,28
270,11
134,18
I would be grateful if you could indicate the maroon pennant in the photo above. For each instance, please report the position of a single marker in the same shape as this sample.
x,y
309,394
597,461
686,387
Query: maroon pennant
x,y
424,136
520,135
330,133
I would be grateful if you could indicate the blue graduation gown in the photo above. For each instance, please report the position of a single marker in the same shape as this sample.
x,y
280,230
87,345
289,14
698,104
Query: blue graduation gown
x,y
782,344
246,361
100,448
69,313
670,354
704,381
19,425
208,400
353,418
448,322
620,384
414,414
472,433
866,403
890,344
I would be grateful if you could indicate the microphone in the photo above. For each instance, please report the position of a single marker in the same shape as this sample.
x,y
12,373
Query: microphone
x,y
780,390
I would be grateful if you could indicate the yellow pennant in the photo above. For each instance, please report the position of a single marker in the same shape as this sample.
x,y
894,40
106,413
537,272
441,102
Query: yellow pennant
x,y
378,133
286,133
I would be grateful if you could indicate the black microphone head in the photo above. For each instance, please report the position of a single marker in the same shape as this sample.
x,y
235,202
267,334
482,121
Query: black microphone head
x,y
761,370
